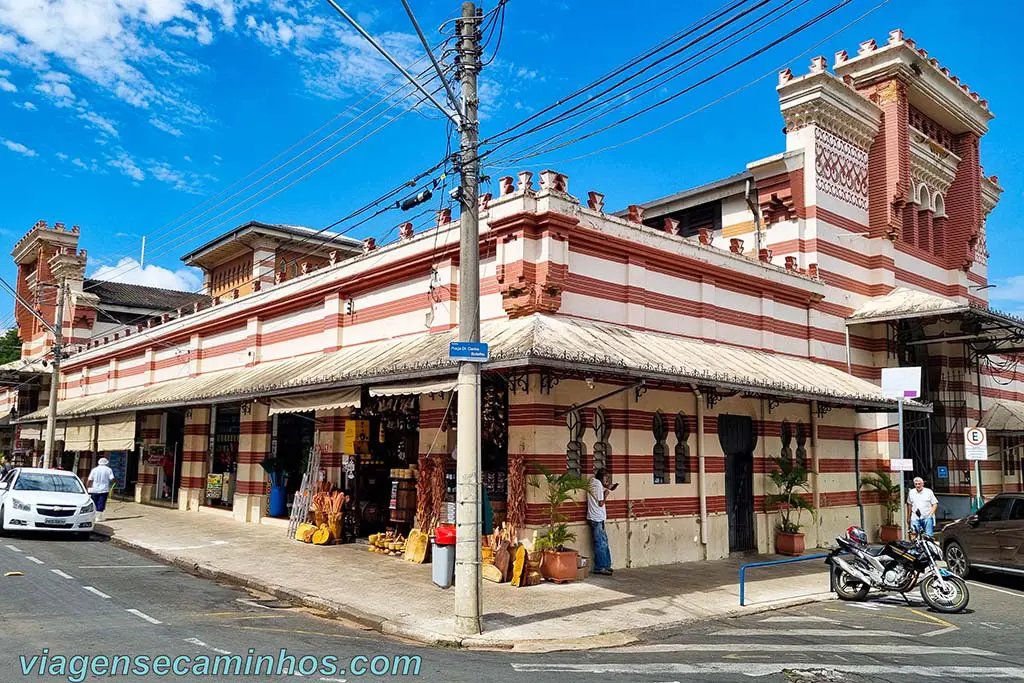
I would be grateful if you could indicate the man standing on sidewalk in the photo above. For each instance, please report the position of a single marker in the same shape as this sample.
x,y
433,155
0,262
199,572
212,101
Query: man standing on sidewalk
x,y
596,516
99,483
921,507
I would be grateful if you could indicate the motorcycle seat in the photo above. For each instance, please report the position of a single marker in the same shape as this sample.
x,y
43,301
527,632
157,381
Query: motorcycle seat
x,y
874,550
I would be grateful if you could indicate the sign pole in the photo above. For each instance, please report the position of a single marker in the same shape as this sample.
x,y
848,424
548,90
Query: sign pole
x,y
903,477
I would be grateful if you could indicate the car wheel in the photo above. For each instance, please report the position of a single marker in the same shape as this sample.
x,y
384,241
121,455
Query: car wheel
x,y
956,560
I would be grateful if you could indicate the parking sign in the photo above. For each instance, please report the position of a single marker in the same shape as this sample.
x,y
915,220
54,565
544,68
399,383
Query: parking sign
x,y
975,443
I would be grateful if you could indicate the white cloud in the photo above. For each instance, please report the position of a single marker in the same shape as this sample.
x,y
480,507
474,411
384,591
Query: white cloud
x,y
182,181
124,163
188,158
54,85
18,147
62,156
6,85
1008,294
92,165
26,105
160,124
99,122
128,270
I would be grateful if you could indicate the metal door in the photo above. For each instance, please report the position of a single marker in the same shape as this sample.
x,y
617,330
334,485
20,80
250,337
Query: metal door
x,y
736,434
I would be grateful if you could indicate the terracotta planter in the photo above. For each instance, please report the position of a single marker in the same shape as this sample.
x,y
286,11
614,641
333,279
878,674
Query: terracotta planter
x,y
559,566
789,544
887,534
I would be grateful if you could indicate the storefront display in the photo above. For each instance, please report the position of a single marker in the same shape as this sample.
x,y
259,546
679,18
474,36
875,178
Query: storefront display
x,y
224,457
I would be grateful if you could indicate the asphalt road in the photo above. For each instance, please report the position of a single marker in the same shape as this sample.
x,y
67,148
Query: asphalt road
x,y
75,598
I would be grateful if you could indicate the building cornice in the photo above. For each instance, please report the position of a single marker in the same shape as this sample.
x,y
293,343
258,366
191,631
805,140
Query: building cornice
x,y
820,99
931,163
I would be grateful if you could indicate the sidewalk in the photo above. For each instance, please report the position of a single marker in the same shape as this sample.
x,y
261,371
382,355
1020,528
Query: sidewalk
x,y
398,598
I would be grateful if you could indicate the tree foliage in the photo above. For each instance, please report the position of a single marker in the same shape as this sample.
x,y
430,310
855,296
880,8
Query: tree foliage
x,y
10,346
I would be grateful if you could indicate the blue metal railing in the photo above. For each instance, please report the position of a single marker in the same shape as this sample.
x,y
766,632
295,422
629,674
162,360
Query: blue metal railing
x,y
743,569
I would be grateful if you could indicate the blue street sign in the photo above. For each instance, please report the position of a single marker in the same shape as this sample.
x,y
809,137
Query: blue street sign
x,y
471,352
943,472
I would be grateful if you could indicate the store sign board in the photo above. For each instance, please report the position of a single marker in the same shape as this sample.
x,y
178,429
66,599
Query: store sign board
x,y
975,443
901,382
214,485
471,352
118,462
901,465
943,472
155,455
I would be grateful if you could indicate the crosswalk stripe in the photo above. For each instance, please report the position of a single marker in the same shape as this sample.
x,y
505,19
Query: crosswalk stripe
x,y
811,632
761,669
856,648
786,620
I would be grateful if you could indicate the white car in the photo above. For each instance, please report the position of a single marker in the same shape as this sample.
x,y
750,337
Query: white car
x,y
33,499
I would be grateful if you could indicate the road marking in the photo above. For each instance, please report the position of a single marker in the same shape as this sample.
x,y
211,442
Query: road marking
x,y
853,648
123,566
757,669
861,605
143,615
939,632
291,630
184,547
13,548
973,583
782,620
196,641
61,574
251,603
96,591
332,680
813,632
931,617
34,559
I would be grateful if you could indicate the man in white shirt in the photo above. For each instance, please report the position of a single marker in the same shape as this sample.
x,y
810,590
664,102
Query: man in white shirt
x,y
596,516
100,481
921,507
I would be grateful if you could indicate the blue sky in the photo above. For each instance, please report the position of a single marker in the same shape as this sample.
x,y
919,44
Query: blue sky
x,y
122,115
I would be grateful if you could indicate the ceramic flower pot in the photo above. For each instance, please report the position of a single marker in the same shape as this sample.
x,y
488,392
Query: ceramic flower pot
x,y
789,544
888,534
559,566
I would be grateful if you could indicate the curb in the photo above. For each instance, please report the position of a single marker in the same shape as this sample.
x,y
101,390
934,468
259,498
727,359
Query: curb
x,y
401,630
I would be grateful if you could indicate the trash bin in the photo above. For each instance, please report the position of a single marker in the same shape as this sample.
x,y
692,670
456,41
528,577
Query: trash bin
x,y
443,556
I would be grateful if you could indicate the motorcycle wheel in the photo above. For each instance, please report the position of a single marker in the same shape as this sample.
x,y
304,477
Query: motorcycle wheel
x,y
847,587
952,599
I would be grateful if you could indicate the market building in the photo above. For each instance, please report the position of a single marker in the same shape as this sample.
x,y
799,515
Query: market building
x,y
681,344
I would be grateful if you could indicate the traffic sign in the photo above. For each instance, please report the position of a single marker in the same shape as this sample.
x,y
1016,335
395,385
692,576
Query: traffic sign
x,y
943,472
976,443
901,465
901,382
471,352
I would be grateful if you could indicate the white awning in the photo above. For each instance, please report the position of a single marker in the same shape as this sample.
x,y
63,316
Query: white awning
x,y
116,432
902,303
79,435
317,400
1004,416
415,388
32,431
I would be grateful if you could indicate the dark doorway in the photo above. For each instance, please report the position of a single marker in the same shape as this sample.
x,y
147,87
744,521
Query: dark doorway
x,y
738,439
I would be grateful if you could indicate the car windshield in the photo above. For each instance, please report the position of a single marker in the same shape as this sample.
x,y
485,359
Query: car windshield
x,y
40,481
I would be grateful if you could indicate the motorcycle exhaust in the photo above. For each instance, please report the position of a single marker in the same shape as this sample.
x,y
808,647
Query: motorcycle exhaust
x,y
853,571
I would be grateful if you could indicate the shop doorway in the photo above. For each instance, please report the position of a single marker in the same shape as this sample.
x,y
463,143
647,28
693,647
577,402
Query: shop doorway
x,y
170,468
295,437
220,482
738,439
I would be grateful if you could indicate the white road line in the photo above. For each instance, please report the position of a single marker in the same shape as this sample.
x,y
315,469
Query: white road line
x,y
332,680
859,648
143,615
784,620
123,566
34,559
96,591
940,631
61,574
975,583
196,641
13,548
759,669
251,603
813,632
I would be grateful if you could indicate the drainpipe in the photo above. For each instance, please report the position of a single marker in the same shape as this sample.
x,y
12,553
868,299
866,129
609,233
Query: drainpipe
x,y
849,361
702,484
856,473
755,210
815,488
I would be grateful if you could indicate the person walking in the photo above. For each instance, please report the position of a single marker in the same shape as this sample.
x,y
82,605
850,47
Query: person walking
x,y
100,481
596,516
921,507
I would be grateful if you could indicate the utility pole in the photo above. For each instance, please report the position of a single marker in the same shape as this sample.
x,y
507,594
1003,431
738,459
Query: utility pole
x,y
58,347
467,520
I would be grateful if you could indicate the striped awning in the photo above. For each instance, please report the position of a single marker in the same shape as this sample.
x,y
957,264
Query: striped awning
x,y
414,388
316,400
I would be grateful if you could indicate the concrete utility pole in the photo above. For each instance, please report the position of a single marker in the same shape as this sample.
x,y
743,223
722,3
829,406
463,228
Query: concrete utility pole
x,y
467,520
58,345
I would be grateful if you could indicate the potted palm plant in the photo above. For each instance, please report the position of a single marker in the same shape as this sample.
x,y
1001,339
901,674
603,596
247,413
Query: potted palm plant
x,y
558,563
791,481
888,490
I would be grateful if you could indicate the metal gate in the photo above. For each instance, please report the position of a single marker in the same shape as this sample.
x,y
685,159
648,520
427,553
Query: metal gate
x,y
738,439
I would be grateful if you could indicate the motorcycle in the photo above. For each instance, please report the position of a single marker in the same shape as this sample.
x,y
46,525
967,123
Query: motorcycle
x,y
895,567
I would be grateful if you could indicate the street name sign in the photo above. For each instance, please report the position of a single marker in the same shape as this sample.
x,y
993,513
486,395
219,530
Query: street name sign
x,y
470,352
901,465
